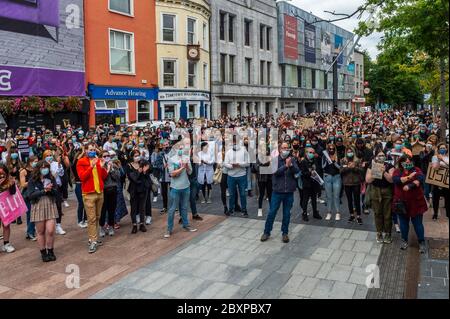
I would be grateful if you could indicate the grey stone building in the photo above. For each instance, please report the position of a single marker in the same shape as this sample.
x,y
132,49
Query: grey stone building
x,y
306,51
244,55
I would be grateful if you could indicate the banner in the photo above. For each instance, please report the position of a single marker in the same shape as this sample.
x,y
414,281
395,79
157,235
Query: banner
x,y
310,43
325,47
338,46
290,37
377,170
42,48
438,177
11,206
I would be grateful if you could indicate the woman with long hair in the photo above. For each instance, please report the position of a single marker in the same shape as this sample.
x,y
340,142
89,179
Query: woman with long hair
x,y
14,165
25,176
333,182
205,172
440,159
81,212
409,200
42,194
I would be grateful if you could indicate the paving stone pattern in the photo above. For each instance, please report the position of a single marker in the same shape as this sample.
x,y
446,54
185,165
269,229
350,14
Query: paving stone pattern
x,y
229,261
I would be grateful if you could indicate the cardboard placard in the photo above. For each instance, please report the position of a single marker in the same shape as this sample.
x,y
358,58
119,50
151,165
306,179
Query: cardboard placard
x,y
438,177
377,170
417,148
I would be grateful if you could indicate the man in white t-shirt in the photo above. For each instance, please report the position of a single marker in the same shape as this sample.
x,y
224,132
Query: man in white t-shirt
x,y
110,145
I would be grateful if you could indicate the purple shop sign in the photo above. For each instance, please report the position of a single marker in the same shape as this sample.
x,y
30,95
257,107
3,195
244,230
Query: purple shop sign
x,y
20,81
44,12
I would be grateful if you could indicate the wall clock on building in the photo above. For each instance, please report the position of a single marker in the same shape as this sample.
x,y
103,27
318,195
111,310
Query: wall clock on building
x,y
193,52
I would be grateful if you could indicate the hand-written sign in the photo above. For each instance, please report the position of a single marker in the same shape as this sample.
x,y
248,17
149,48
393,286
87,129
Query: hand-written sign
x,y
11,206
438,177
306,123
417,148
377,170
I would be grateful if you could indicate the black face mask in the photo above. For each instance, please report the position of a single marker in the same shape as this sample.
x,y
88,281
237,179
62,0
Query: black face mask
x,y
296,146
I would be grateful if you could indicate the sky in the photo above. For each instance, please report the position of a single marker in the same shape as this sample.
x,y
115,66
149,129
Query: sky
x,y
317,8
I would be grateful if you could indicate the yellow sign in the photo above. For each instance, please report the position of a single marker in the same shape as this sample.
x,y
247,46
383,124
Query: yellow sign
x,y
117,120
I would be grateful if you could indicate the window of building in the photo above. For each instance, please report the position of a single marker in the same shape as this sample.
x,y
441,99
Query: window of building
x,y
169,111
205,76
269,70
268,38
325,80
169,74
222,25
248,70
231,65
143,111
191,30
223,65
261,36
192,74
261,72
308,78
231,28
168,28
193,110
283,75
299,76
247,32
205,36
313,79
121,52
121,6
320,80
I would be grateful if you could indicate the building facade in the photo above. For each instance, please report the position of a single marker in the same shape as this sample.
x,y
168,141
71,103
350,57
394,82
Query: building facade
x,y
306,52
183,58
121,76
244,55
359,100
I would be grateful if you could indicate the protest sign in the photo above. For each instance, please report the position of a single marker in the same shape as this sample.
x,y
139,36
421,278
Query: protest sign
x,y
11,206
377,170
438,177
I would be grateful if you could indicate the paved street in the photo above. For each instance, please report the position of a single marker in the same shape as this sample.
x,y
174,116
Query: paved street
x,y
225,259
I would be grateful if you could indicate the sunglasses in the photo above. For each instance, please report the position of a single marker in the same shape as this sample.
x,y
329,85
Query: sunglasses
x,y
106,156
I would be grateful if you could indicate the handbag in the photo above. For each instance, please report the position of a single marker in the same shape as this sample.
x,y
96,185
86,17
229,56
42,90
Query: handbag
x,y
217,178
399,207
155,183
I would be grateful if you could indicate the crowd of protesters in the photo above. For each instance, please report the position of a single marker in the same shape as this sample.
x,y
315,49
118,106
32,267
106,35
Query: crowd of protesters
x,y
377,160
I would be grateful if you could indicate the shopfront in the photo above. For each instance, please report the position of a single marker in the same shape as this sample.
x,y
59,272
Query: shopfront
x,y
177,105
122,105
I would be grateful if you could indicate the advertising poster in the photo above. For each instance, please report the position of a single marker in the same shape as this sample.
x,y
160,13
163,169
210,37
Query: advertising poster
x,y
325,47
338,46
310,43
42,48
290,37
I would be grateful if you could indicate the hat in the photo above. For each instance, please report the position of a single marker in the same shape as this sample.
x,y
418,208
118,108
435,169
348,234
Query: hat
x,y
112,153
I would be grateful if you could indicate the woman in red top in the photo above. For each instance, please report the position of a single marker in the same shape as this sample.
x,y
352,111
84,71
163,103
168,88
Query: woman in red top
x,y
408,192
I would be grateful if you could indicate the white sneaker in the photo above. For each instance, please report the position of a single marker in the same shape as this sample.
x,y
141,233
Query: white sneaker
x,y
85,224
138,219
82,225
228,193
338,216
102,232
167,234
60,230
397,228
260,213
148,220
66,204
328,216
320,200
111,231
155,199
8,248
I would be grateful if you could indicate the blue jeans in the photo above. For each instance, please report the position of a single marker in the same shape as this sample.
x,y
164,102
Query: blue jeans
x,y
179,198
277,198
30,226
249,186
193,194
333,185
241,183
80,211
427,190
417,224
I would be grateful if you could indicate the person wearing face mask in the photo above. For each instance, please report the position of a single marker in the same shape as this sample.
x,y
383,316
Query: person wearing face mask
x,y
318,153
263,177
81,213
143,149
7,183
162,165
14,165
42,193
25,176
284,183
205,172
236,161
333,183
112,181
440,160
381,193
180,167
311,187
110,145
352,176
92,176
409,202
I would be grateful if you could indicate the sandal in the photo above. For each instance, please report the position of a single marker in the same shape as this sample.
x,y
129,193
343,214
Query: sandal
x,y
116,226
